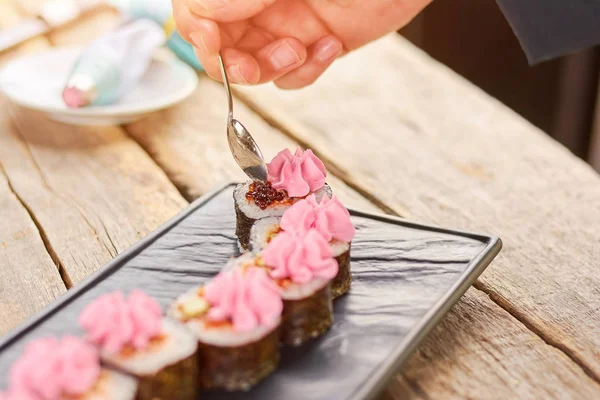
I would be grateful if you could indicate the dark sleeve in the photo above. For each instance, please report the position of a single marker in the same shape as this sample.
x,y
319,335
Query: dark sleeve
x,y
551,28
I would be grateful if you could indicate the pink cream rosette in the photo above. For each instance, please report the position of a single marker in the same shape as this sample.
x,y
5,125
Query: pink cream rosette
x,y
249,298
113,322
300,257
298,174
50,369
329,217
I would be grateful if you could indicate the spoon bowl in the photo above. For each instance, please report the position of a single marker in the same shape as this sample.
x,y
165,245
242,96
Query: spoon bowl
x,y
245,151
243,147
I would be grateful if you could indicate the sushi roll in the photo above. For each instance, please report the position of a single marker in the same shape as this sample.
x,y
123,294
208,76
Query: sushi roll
x,y
236,319
303,267
133,336
329,217
66,369
291,177
262,232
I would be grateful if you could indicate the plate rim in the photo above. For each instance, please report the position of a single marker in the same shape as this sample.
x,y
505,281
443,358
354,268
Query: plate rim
x,y
112,110
377,381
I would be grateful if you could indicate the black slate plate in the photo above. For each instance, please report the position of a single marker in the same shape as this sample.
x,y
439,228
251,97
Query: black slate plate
x,y
406,277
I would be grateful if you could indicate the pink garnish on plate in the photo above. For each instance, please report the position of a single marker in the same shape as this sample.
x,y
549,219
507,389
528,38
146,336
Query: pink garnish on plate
x,y
50,369
114,322
73,97
329,217
249,298
300,257
298,174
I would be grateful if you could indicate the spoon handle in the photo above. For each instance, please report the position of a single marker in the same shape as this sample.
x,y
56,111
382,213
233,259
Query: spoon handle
x,y
226,84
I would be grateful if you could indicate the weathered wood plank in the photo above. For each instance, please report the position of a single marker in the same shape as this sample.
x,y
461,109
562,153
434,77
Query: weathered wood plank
x,y
85,29
189,142
576,377
421,138
509,363
94,191
30,279
10,16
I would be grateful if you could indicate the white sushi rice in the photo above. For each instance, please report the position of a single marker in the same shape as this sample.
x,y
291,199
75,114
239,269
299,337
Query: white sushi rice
x,y
263,228
113,385
301,291
338,247
216,336
253,211
293,292
235,262
177,345
226,336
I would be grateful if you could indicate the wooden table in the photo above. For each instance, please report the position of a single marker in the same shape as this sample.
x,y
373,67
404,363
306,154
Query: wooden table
x,y
399,133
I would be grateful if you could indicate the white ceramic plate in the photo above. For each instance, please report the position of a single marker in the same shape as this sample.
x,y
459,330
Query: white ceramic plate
x,y
36,82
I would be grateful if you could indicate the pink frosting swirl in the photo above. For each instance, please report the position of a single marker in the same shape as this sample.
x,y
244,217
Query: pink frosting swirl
x,y
49,369
248,298
330,218
300,258
113,322
298,174
18,394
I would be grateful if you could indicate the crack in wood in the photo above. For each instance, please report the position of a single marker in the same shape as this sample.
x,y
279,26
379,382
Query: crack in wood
x,y
538,331
182,188
415,387
53,256
291,131
77,206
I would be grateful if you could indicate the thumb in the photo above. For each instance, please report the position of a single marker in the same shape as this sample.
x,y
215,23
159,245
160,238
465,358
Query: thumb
x,y
228,10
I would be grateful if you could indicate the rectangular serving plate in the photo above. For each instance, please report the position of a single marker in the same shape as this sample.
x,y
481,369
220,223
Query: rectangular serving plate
x,y
406,276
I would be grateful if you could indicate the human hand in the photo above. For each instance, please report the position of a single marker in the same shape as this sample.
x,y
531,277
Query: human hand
x,y
290,42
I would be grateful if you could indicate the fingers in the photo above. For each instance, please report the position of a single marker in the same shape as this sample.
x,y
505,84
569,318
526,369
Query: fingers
x,y
280,57
320,56
228,10
269,63
242,67
185,21
254,39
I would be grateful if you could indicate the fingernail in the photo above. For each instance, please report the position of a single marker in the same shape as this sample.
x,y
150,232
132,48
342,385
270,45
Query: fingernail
x,y
198,39
211,5
328,49
235,74
283,56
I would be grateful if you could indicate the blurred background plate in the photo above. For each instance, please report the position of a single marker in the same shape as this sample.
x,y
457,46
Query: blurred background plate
x,y
36,82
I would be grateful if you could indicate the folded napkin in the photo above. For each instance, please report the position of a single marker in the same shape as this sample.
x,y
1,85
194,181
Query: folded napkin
x,y
113,64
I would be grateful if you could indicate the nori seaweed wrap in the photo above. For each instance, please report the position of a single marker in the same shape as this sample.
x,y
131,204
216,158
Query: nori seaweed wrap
x,y
134,337
236,320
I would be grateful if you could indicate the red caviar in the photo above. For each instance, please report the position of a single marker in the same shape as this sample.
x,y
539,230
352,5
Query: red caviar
x,y
264,194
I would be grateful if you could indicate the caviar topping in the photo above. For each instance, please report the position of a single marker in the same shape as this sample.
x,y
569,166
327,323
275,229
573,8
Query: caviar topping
x,y
264,195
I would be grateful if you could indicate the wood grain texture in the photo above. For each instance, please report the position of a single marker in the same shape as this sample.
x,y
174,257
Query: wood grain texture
x,y
189,142
30,279
10,16
93,190
508,364
443,368
419,137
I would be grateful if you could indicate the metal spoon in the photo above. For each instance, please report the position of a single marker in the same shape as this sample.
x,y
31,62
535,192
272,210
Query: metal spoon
x,y
244,149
